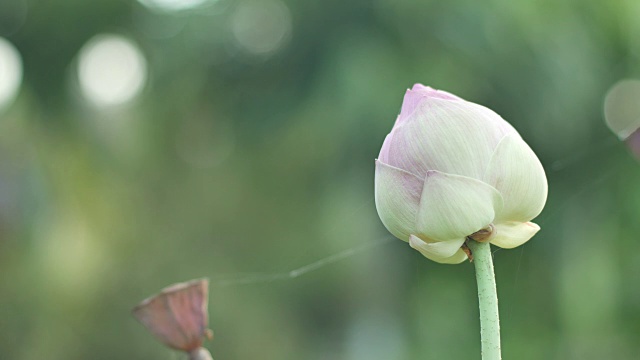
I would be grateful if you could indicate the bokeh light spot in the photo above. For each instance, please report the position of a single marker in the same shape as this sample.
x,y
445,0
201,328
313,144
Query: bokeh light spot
x,y
111,70
10,73
171,5
261,27
622,107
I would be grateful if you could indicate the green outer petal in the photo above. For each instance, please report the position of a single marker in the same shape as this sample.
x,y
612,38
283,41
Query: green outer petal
x,y
513,234
444,252
397,195
454,207
517,173
455,137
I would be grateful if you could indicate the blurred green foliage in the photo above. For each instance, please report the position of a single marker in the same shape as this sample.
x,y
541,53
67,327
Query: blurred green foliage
x,y
233,163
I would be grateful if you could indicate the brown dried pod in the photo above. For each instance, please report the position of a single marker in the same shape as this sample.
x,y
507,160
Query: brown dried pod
x,y
178,317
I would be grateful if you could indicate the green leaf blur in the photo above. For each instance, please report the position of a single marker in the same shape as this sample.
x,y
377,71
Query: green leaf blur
x,y
249,153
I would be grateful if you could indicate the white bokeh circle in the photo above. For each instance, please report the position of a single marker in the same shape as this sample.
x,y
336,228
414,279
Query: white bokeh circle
x,y
10,73
111,70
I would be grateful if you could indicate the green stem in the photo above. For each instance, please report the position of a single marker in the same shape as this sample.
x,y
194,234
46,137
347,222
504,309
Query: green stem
x,y
488,300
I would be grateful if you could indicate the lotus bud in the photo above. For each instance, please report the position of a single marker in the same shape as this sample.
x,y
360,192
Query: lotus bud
x,y
451,170
178,317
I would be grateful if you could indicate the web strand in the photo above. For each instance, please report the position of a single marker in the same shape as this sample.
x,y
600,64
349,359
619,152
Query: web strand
x,y
556,167
260,278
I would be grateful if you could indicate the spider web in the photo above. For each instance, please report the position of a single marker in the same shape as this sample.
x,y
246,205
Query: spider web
x,y
555,168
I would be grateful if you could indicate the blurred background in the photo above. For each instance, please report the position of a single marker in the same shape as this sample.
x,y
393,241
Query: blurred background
x,y
150,142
